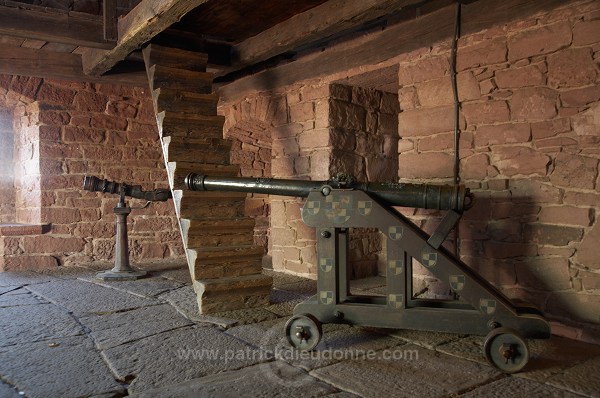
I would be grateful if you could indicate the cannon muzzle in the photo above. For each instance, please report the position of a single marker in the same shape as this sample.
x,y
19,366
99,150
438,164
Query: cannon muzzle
x,y
95,184
425,196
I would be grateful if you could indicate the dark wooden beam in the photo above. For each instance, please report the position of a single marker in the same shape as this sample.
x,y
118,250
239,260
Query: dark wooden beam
x,y
141,24
52,26
109,18
47,64
323,21
379,47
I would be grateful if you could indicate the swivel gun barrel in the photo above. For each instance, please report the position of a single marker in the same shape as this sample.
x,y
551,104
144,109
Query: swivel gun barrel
x,y
425,196
95,184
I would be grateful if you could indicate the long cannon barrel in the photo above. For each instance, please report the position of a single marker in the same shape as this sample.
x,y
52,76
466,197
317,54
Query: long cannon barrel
x,y
425,196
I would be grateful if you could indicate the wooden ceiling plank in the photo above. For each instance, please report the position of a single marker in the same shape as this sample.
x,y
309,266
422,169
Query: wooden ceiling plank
x,y
59,27
146,20
47,64
317,23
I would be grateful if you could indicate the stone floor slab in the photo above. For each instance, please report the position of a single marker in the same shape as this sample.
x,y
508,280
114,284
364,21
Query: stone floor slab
x,y
185,301
21,325
583,378
283,302
9,278
554,355
179,355
7,391
406,374
20,297
272,379
514,387
367,283
149,287
424,338
279,278
8,289
69,367
88,298
182,276
111,330
305,288
470,347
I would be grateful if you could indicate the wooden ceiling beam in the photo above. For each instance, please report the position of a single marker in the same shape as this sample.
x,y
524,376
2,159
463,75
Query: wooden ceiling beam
x,y
52,26
48,64
146,20
322,21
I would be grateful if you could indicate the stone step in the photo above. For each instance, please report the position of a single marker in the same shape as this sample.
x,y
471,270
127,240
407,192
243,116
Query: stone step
x,y
230,293
213,151
218,232
188,60
207,205
179,79
191,126
182,102
219,262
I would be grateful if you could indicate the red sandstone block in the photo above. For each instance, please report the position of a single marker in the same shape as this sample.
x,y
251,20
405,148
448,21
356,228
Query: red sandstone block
x,y
341,92
534,103
116,138
345,115
51,94
315,139
23,263
407,96
572,68
555,235
101,153
474,167
56,150
49,133
567,215
547,274
122,109
60,215
52,244
86,101
550,128
530,75
509,249
574,171
425,69
445,141
581,96
54,118
520,160
508,133
543,40
425,121
488,52
425,165
367,98
586,32
108,122
83,135
588,252
489,112
26,86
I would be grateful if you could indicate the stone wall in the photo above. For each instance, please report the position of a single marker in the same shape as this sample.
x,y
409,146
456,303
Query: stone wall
x,y
529,148
530,99
7,174
64,131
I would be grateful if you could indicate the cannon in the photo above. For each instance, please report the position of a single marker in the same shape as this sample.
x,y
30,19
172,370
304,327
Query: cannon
x,y
95,184
336,205
122,270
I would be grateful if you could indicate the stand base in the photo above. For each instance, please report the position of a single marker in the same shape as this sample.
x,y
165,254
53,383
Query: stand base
x,y
120,275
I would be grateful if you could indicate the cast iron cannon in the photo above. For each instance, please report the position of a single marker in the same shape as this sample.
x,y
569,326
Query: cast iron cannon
x,y
334,206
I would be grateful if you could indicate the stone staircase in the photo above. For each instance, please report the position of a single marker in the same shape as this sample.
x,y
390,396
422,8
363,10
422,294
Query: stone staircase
x,y
224,263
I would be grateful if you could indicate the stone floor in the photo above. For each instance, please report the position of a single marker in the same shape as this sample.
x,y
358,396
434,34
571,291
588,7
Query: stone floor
x,y
65,334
